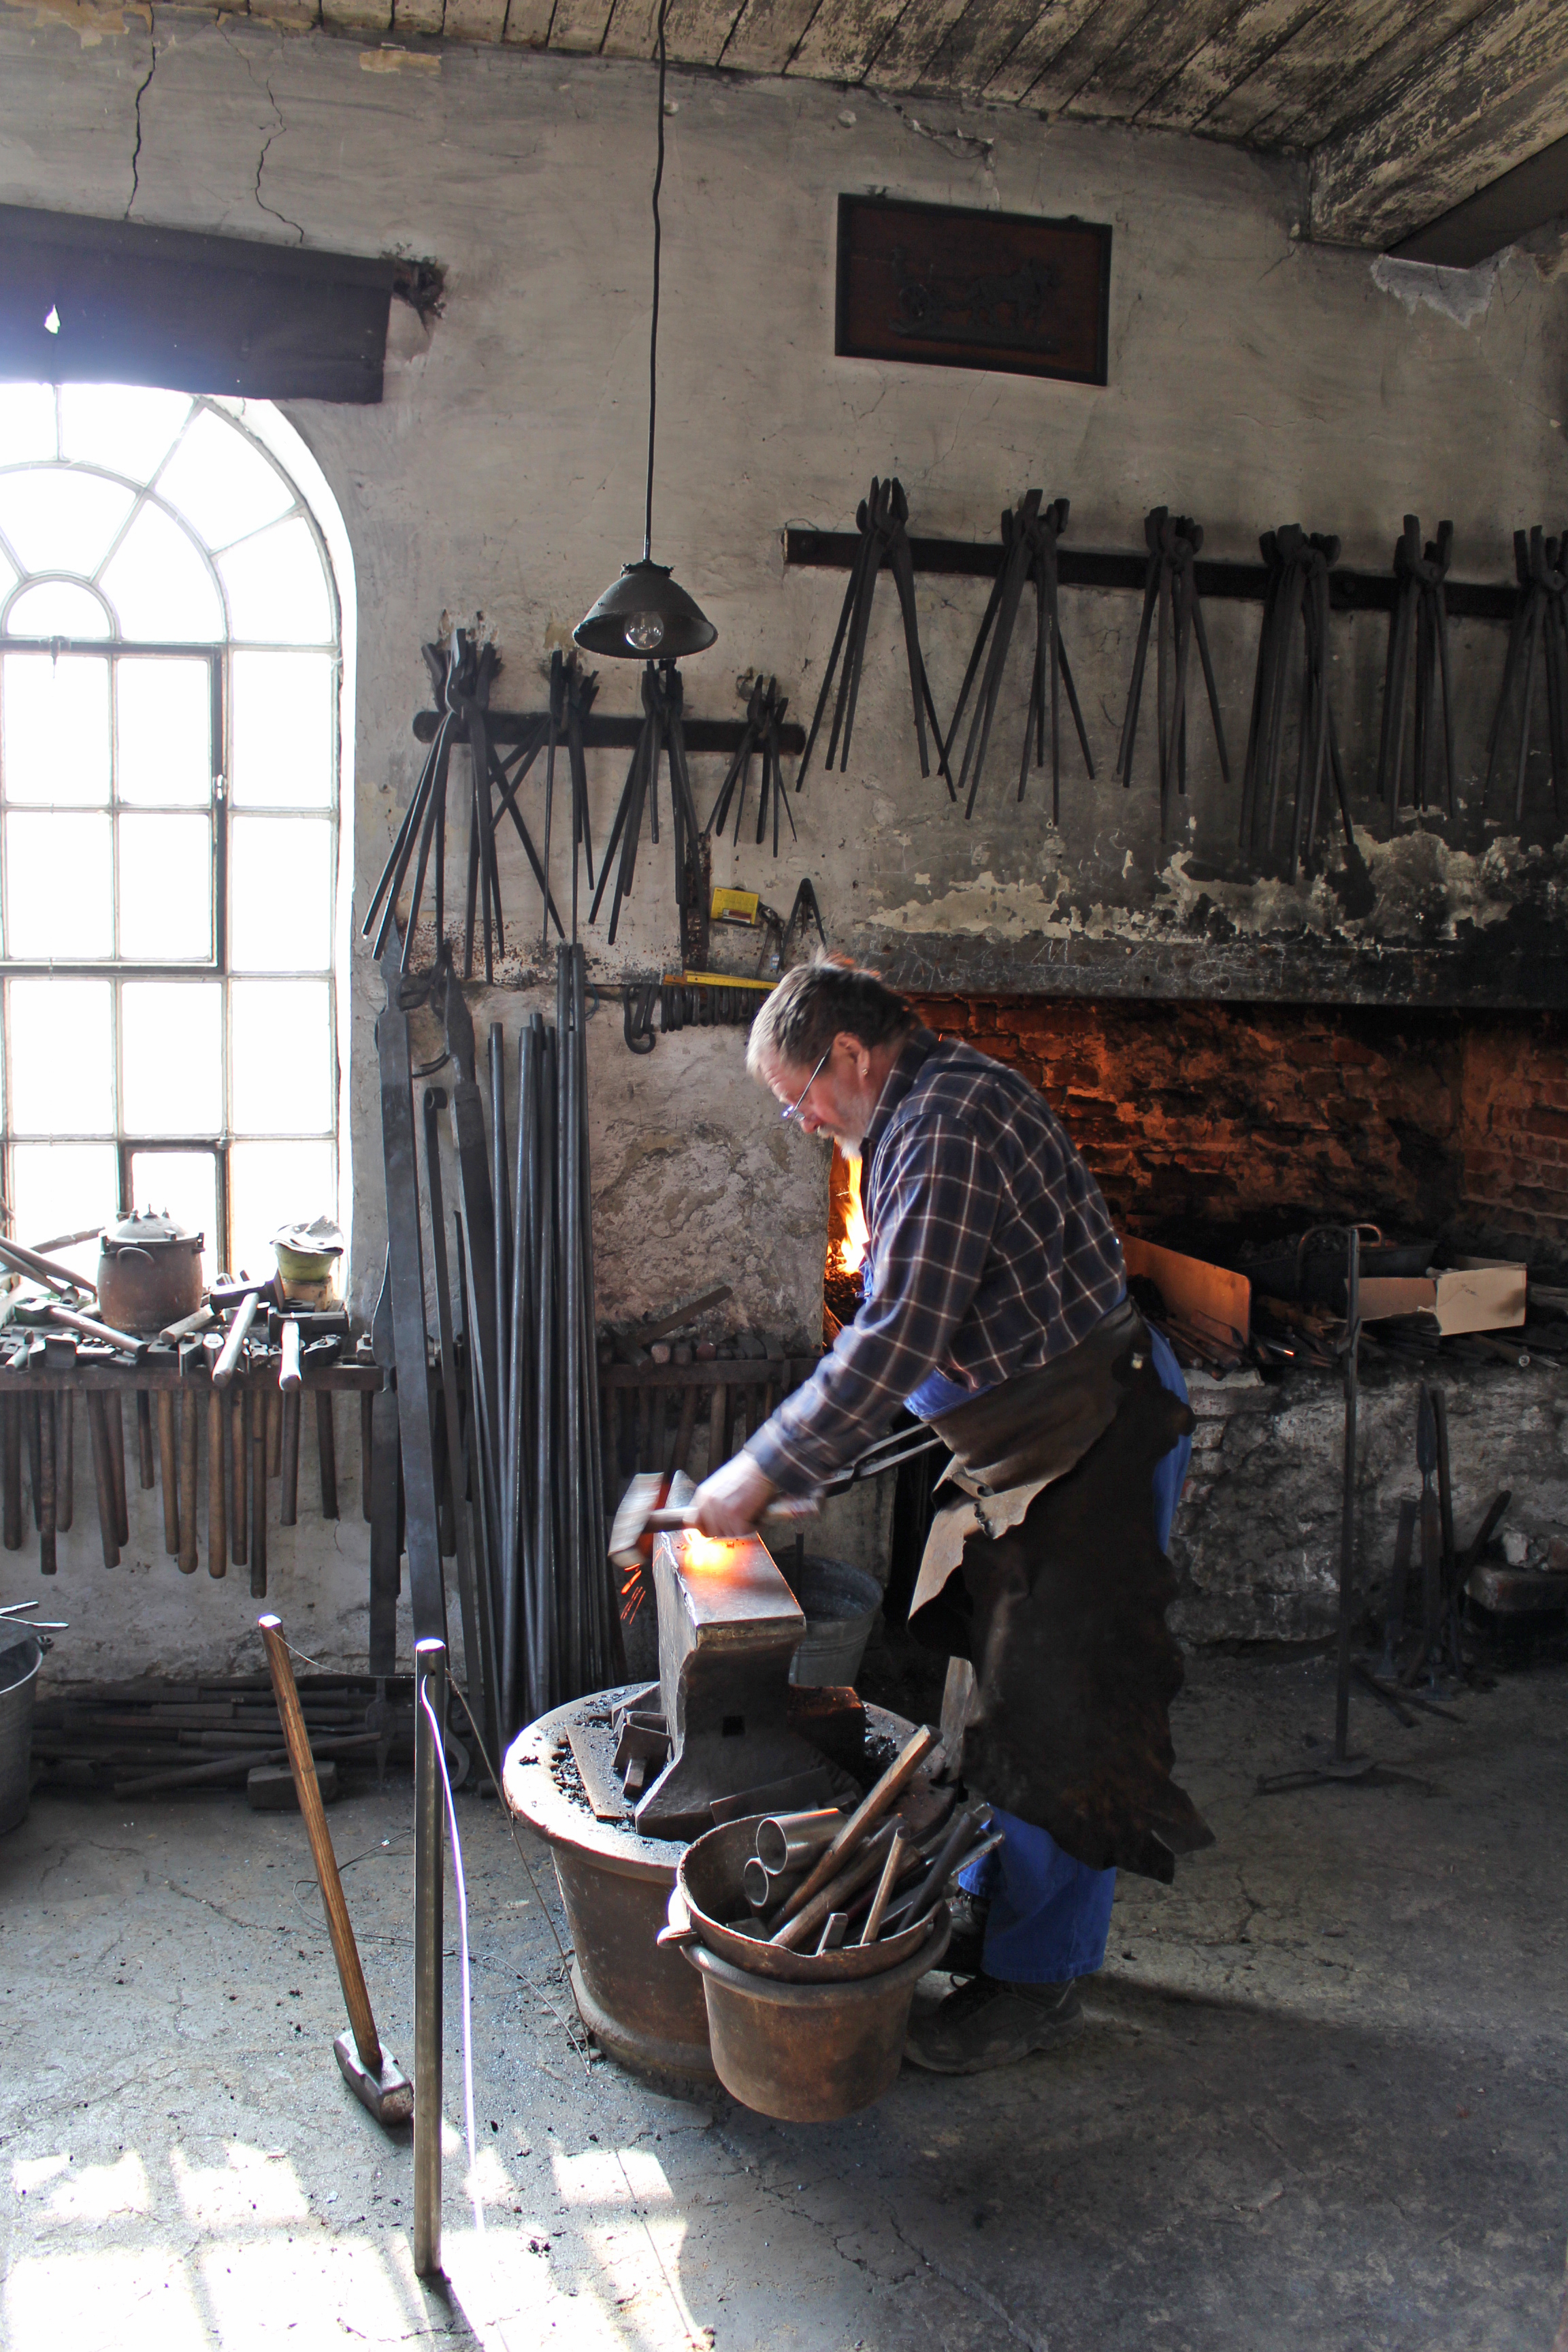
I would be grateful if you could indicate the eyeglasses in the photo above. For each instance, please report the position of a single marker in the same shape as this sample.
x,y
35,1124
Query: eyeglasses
x,y
794,1109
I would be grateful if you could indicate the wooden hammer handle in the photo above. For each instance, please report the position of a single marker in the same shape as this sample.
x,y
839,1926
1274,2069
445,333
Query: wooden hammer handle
x,y
345,1951
223,1371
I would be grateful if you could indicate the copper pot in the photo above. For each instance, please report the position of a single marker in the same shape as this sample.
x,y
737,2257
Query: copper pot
x,y
149,1273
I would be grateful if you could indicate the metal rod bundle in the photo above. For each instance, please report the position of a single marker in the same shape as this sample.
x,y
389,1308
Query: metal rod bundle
x,y
1418,623
1174,613
765,709
882,521
1028,555
1540,620
663,699
541,1624
1297,592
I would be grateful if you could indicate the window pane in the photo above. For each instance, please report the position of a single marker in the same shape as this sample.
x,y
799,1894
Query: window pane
x,y
280,1058
58,608
285,725
62,1062
59,1188
171,1057
270,1184
160,586
164,719
60,521
281,894
26,421
55,744
8,576
222,484
124,427
58,894
277,589
184,1185
165,888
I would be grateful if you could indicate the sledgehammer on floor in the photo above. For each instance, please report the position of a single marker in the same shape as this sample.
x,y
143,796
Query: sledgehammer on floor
x,y
371,2074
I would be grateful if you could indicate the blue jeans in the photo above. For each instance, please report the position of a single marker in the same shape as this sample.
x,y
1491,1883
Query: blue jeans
x,y
1050,1915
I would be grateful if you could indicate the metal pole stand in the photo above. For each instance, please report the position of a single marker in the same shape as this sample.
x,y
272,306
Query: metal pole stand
x,y
429,1863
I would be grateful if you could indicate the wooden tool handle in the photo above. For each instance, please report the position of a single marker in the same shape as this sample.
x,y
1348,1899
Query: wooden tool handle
x,y
345,1951
187,1480
223,1371
889,1788
217,1462
168,1464
103,1472
289,1374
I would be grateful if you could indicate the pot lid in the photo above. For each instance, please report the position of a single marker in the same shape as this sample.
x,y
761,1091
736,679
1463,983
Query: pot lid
x,y
146,1227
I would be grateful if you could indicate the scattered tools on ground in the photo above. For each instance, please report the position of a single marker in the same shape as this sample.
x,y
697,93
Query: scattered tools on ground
x,y
371,2071
882,521
662,737
1539,621
1297,590
1418,623
1173,611
765,709
1029,539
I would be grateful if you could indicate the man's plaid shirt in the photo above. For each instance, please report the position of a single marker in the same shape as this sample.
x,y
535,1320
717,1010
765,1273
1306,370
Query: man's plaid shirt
x,y
991,1252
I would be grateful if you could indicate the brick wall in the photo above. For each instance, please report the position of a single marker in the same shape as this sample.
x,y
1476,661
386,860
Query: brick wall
x,y
1194,1117
1514,1134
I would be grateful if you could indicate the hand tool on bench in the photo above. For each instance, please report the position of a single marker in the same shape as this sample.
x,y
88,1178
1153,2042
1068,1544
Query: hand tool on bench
x,y
126,1342
286,1327
238,1331
371,2071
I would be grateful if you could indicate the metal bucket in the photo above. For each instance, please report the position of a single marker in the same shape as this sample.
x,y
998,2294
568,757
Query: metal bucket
x,y
839,1602
707,1895
18,1680
809,2054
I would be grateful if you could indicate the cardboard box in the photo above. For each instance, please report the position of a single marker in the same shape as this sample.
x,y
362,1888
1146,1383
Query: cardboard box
x,y
1211,1301
1477,1294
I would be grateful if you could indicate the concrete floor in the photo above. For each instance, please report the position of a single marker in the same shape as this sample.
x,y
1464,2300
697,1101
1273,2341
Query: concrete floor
x,y
1319,2103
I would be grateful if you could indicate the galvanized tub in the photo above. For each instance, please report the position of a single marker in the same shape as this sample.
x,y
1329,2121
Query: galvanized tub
x,y
839,1602
809,2054
18,1680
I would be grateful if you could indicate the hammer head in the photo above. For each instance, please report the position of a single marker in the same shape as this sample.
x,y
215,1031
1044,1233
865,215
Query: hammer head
x,y
389,2096
630,1539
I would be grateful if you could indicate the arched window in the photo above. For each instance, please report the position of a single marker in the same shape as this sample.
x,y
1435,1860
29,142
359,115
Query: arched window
x,y
170,635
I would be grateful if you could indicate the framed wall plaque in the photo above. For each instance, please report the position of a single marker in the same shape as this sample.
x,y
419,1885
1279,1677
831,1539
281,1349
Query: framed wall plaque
x,y
953,288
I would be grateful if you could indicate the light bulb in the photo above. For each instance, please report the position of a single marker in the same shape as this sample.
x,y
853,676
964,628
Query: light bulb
x,y
645,633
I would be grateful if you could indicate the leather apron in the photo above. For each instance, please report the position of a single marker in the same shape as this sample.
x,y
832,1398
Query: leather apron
x,y
1045,1582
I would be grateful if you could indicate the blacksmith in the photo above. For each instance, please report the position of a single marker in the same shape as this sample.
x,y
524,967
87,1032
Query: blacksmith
x,y
995,1308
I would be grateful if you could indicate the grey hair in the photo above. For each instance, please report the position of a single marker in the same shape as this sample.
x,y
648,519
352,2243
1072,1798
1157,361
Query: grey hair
x,y
814,1002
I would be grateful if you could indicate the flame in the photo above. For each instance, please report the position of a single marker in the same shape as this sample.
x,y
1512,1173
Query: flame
x,y
852,1248
703,1552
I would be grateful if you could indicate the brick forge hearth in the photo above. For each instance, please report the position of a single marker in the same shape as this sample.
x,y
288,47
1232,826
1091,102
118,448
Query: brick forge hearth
x,y
1208,1121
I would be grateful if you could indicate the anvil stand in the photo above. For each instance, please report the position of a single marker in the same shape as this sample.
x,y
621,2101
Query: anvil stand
x,y
1342,1766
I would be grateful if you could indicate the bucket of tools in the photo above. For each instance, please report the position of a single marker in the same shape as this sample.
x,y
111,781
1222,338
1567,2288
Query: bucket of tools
x,y
810,1932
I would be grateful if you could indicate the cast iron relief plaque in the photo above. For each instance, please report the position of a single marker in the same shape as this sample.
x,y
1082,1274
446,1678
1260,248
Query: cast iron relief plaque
x,y
958,288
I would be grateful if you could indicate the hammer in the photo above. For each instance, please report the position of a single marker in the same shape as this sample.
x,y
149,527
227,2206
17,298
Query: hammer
x,y
371,2071
641,1517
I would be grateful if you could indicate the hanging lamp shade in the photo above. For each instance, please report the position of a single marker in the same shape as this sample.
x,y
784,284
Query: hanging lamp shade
x,y
644,615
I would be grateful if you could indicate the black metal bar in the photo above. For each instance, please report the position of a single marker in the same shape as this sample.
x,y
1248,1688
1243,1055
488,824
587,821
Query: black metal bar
x,y
602,732
1083,567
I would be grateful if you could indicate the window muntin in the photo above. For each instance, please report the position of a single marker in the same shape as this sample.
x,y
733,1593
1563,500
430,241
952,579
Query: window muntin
x,y
168,622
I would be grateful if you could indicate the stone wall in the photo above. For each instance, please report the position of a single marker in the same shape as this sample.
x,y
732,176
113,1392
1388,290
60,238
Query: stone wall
x,y
1257,1536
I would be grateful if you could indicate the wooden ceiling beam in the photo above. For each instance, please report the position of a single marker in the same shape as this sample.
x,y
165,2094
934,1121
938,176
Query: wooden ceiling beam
x,y
1011,45
1339,67
1491,96
1167,39
766,35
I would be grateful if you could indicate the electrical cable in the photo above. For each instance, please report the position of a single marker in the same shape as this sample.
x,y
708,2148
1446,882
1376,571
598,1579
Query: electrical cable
x,y
653,326
460,1883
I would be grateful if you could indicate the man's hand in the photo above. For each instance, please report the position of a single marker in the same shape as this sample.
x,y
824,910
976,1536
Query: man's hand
x,y
732,1500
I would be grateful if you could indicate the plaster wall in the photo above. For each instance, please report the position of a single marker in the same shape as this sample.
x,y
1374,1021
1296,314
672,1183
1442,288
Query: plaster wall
x,y
1254,378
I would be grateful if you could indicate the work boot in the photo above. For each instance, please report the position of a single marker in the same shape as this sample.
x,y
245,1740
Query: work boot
x,y
986,2023
964,1944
